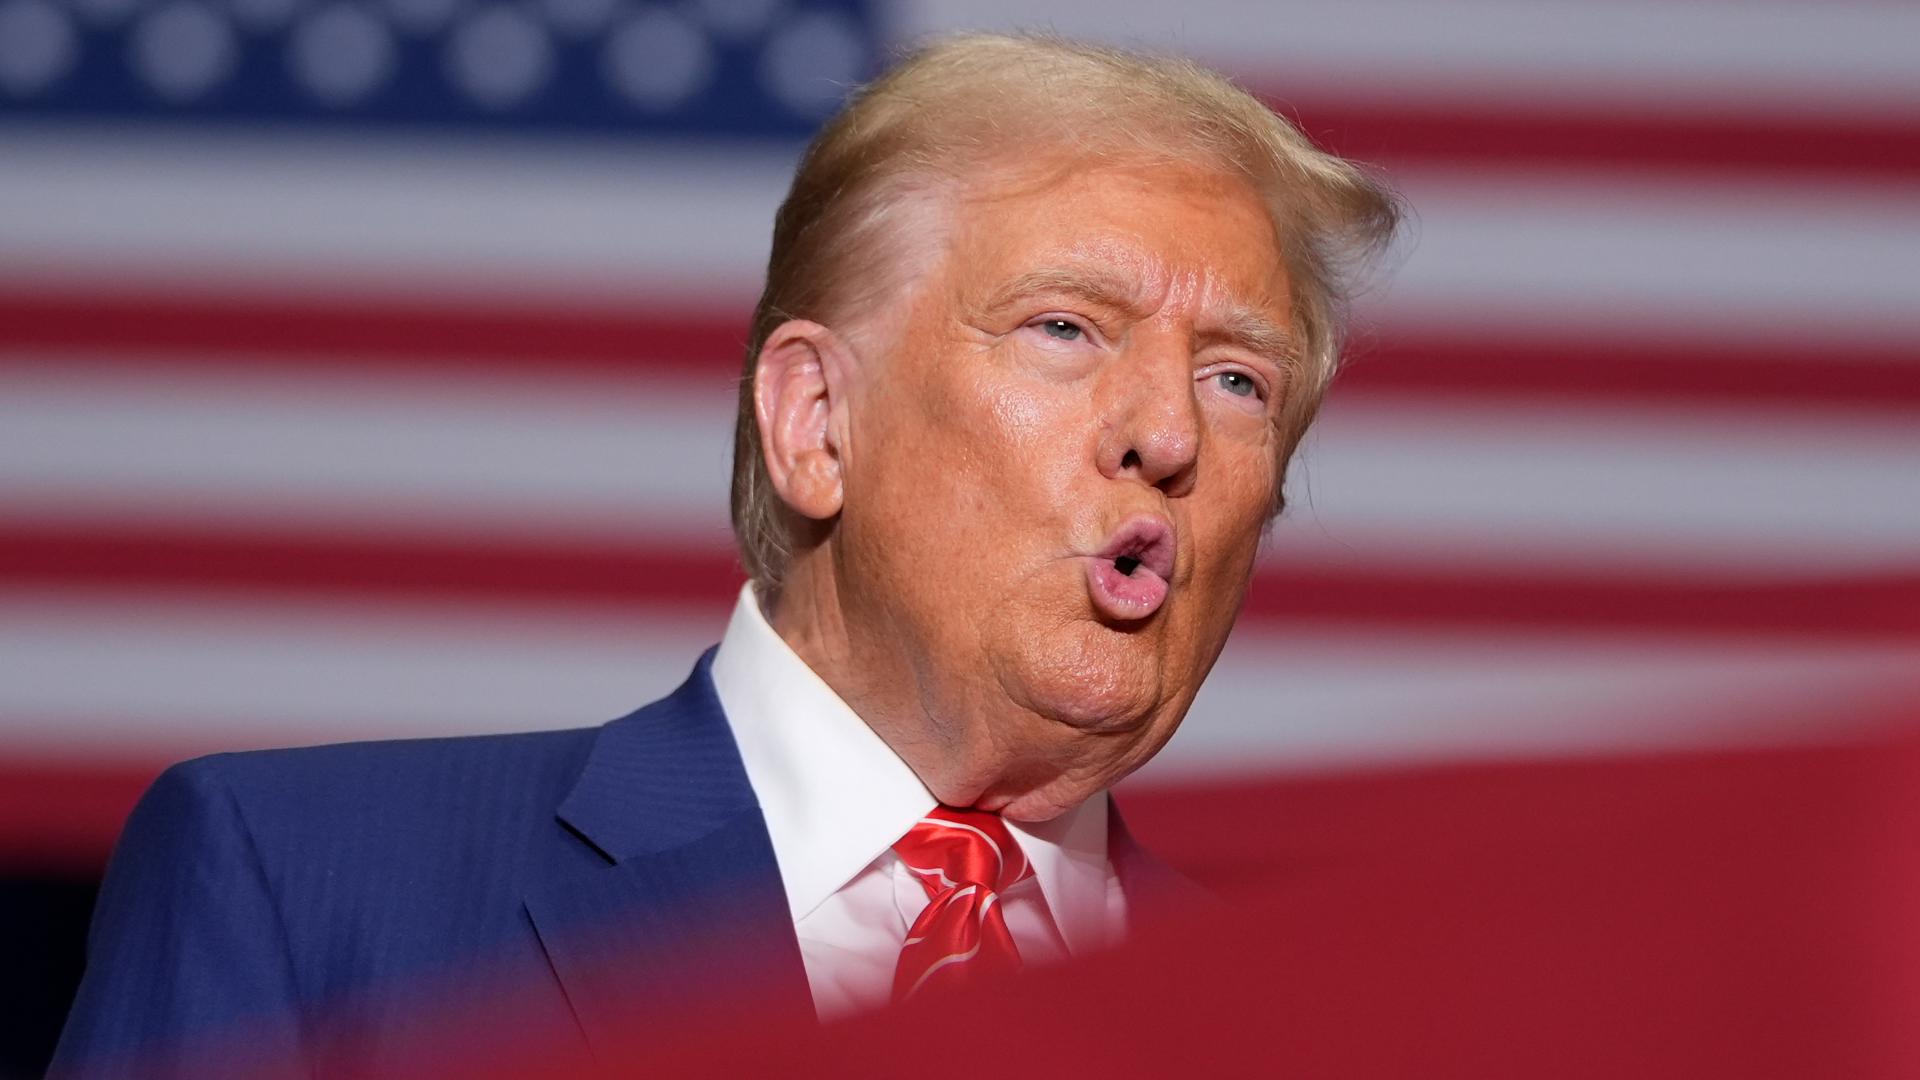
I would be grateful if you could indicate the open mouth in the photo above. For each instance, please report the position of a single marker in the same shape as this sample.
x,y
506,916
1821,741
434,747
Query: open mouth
x,y
1129,578
1143,543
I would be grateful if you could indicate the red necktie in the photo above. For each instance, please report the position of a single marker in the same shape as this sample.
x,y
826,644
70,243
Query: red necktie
x,y
965,859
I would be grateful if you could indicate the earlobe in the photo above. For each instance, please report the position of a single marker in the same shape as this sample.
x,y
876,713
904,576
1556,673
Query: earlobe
x,y
794,401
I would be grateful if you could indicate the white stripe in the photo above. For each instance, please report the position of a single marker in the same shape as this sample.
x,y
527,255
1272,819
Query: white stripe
x,y
1754,256
1793,492
951,958
533,222
1710,491
1800,56
548,218
190,673
549,455
1327,697
999,860
933,871
158,678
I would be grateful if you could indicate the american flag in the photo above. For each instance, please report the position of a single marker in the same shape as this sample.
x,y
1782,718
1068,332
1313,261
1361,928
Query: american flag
x,y
366,370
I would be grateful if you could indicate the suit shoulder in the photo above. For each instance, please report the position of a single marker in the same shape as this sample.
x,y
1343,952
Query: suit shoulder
x,y
355,799
352,766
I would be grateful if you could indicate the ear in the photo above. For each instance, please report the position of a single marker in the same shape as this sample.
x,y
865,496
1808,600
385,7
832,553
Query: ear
x,y
797,396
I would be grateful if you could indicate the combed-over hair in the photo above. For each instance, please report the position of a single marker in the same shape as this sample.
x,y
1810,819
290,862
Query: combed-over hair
x,y
963,104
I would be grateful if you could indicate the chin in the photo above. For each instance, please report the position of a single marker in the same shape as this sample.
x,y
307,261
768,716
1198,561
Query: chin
x,y
1089,679
1096,766
1037,806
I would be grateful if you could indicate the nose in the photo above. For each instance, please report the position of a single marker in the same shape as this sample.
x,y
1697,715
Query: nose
x,y
1153,424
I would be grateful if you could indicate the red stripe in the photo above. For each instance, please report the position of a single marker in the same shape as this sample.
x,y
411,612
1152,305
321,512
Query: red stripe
x,y
62,817
435,335
451,338
1887,605
630,577
1580,368
575,575
1424,129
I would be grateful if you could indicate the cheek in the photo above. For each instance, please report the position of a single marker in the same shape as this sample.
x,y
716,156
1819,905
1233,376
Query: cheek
x,y
962,457
1041,430
1000,446
1232,525
1020,414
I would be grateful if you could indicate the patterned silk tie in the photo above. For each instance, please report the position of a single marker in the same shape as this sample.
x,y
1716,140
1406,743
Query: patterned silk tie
x,y
965,859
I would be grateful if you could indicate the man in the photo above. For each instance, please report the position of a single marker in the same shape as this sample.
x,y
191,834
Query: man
x,y
1042,325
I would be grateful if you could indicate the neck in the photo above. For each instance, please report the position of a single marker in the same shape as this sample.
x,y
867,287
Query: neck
x,y
877,671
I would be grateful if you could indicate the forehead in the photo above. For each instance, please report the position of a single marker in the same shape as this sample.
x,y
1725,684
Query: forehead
x,y
1166,235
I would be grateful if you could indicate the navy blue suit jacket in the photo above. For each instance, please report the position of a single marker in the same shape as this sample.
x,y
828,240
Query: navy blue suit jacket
x,y
319,911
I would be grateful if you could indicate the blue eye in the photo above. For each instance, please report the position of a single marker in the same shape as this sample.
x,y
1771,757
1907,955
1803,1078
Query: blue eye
x,y
1061,329
1237,383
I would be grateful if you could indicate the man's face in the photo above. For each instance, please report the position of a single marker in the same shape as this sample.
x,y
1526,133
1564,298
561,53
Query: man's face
x,y
1060,456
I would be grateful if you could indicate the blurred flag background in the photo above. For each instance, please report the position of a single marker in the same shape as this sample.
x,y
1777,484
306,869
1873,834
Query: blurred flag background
x,y
367,370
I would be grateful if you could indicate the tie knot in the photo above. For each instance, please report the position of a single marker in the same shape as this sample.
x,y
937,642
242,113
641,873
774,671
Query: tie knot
x,y
951,849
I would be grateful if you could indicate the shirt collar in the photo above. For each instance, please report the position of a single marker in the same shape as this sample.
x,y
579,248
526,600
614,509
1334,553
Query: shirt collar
x,y
835,796
1069,857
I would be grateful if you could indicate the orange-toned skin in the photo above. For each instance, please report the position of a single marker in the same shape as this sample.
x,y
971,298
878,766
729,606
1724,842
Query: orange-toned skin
x,y
1098,345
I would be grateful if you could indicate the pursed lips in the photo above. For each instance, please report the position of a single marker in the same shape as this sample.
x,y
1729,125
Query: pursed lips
x,y
1129,577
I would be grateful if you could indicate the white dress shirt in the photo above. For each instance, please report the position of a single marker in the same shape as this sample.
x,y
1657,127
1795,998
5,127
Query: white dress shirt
x,y
836,797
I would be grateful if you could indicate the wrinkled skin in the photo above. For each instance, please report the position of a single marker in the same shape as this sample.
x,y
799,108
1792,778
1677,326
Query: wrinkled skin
x,y
1098,345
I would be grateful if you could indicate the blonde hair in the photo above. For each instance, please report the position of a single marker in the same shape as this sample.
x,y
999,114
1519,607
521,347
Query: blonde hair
x,y
960,104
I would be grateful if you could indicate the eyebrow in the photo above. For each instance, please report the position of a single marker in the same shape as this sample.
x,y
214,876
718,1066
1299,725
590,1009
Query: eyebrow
x,y
1087,283
1248,329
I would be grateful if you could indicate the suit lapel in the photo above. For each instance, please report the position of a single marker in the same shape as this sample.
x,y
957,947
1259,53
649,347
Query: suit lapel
x,y
661,889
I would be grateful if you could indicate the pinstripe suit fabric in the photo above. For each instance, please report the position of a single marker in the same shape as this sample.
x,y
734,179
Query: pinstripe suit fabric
x,y
362,908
